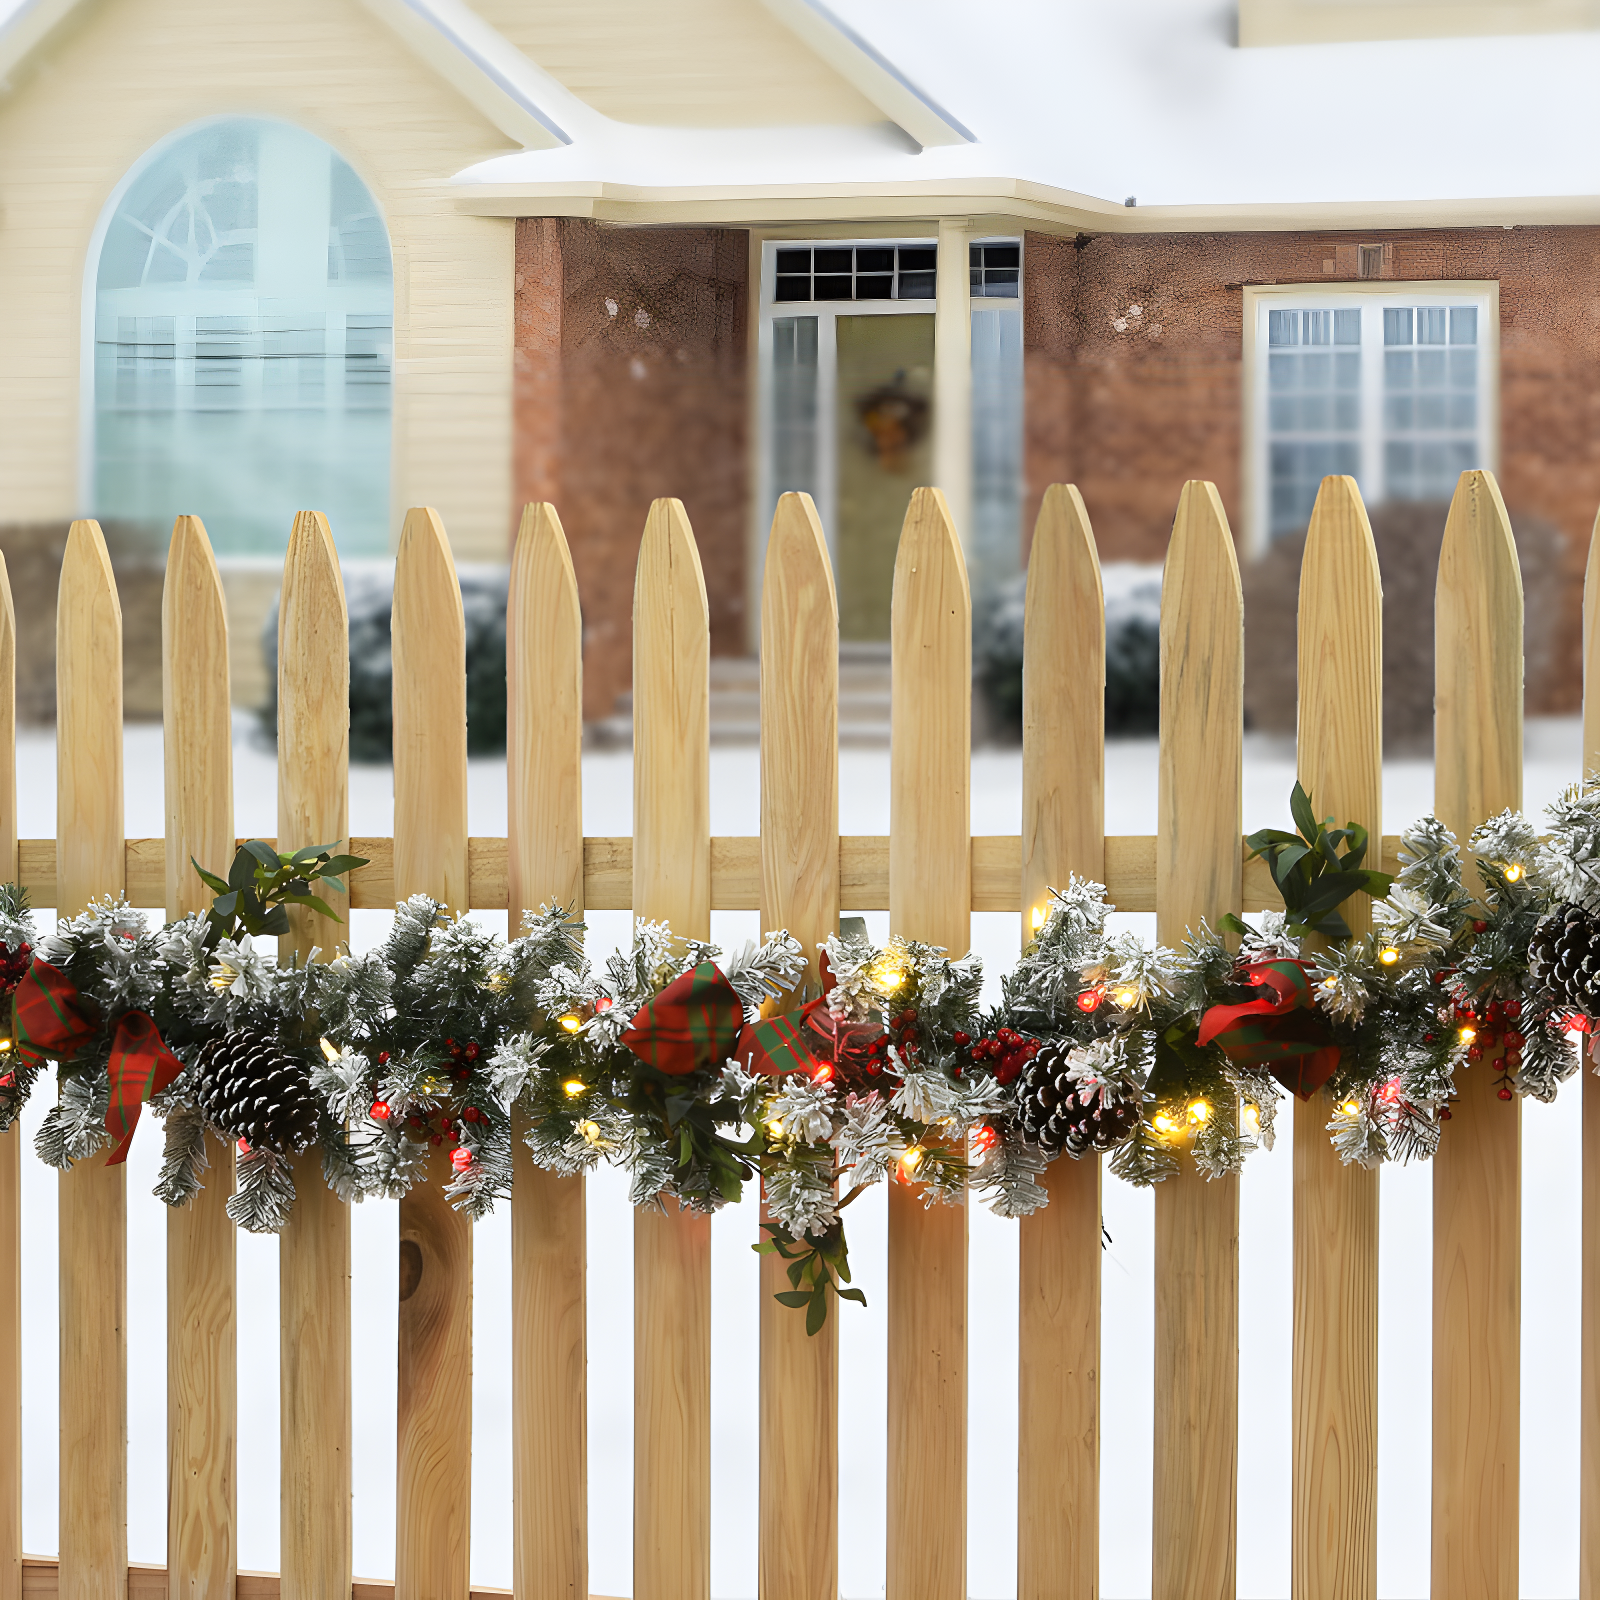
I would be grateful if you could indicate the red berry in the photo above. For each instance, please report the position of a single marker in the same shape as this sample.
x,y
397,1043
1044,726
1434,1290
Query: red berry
x,y
471,1051
1444,1113
1513,1008
437,1139
1480,926
1514,1040
603,1003
1475,1052
380,1110
1427,1038
463,1074
383,1058
911,1017
1504,1091
961,1040
461,1158
244,1147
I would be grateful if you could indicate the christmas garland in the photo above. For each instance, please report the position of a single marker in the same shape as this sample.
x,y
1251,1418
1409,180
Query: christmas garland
x,y
448,1040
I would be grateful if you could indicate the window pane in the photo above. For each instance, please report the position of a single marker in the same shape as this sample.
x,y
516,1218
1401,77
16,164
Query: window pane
x,y
834,287
1283,327
1463,369
875,260
1318,327
918,258
1397,324
1463,324
793,289
794,261
1314,411
996,546
1430,369
1347,327
834,260
1002,255
875,288
1431,324
1430,411
999,283
794,405
916,285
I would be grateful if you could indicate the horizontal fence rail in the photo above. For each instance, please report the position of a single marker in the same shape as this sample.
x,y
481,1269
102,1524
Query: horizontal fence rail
x,y
930,874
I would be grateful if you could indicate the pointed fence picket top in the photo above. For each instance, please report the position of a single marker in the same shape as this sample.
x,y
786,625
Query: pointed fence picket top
x,y
1477,1170
544,863
10,1154
1197,1222
930,898
1334,1540
90,861
433,1445
202,1359
799,1489
1063,832
1589,1393
671,883
315,1528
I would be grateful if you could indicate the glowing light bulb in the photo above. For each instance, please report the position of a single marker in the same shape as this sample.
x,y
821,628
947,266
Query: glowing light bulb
x,y
1349,1108
590,1132
574,1088
823,1074
1090,1000
888,975
1514,872
329,1049
1040,917
1388,955
985,1139
5,1047
1199,1110
1466,1034
1330,983
571,1021
912,1159
775,1127
1164,1123
1252,1117
1126,997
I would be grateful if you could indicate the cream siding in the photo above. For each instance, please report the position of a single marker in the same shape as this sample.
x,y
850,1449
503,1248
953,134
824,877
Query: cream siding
x,y
122,75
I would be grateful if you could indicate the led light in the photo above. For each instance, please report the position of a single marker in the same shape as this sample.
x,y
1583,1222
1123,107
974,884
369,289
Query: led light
x,y
1330,983
329,1049
1199,1110
775,1127
888,975
222,976
823,1074
1388,955
912,1159
1390,1092
1090,999
574,1088
1466,1034
1164,1123
1514,872
5,1047
985,1138
590,1131
1349,1108
571,1021
1252,1117
1126,998
1040,916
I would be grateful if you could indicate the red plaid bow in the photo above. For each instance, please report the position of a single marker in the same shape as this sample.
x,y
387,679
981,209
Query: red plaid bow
x,y
694,1022
1285,1034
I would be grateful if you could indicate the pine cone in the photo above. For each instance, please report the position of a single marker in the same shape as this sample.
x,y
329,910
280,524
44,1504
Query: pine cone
x,y
1057,1115
1565,957
251,1090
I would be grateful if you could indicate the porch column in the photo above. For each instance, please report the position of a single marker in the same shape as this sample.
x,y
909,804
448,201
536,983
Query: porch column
x,y
952,376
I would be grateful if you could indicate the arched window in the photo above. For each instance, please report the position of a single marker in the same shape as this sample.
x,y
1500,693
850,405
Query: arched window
x,y
243,342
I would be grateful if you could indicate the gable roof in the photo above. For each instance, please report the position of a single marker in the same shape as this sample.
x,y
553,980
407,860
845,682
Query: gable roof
x,y
840,71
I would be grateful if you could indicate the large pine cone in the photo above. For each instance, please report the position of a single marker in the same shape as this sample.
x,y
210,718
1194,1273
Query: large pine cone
x,y
1057,1115
252,1090
1565,957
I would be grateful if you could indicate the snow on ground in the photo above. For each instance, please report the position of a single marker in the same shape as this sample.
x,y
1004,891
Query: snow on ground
x,y
1550,1304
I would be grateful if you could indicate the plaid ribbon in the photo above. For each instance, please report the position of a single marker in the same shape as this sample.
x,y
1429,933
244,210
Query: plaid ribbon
x,y
48,1020
1284,1033
776,1045
694,1022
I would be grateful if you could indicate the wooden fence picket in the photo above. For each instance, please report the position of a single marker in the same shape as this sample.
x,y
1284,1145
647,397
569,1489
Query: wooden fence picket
x,y
544,863
1334,1539
671,883
92,1218
315,1531
799,1492
1197,1222
1477,1172
1589,1391
433,1504
1063,832
930,898
10,1154
202,1360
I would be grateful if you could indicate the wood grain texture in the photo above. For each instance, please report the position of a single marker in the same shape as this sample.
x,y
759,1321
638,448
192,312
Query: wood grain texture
x,y
93,1209
930,898
10,1154
544,748
202,1351
314,1357
1477,1176
1197,1223
1334,1541
1589,1393
671,883
39,1582
433,1444
799,1486
1063,832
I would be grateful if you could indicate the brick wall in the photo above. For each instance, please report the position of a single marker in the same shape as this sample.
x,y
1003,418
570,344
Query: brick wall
x,y
631,383
1128,414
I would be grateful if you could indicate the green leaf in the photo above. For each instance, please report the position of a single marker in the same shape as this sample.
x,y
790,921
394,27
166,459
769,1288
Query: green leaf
x,y
340,864
209,879
795,1298
816,1313
1305,818
316,902
853,1294
264,853
224,904
1286,859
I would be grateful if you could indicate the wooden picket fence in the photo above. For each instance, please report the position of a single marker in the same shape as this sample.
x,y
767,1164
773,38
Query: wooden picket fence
x,y
799,873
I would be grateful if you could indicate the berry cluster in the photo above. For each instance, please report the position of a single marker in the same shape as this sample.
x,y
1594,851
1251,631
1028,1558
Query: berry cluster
x,y
1005,1051
440,1126
14,966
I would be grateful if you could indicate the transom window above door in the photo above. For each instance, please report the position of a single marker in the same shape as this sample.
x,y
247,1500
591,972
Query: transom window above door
x,y
1396,390
857,272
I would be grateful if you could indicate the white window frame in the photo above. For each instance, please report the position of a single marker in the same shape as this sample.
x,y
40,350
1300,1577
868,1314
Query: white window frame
x,y
1259,299
827,313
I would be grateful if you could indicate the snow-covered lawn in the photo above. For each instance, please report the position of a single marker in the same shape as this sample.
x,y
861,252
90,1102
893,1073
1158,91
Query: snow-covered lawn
x,y
1550,1303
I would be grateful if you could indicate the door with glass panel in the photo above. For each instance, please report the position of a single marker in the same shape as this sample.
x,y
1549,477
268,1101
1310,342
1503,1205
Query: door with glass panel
x,y
847,348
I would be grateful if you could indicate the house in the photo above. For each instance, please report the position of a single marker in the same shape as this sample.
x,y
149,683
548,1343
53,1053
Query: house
x,y
361,254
